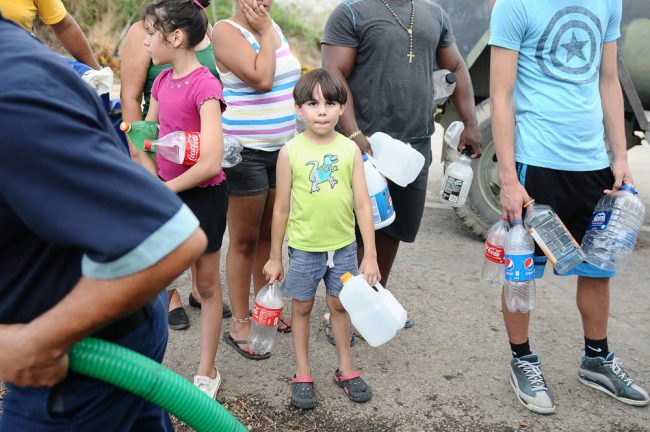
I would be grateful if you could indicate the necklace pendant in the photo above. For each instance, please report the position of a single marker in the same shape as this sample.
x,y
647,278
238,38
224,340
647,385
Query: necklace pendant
x,y
409,31
411,56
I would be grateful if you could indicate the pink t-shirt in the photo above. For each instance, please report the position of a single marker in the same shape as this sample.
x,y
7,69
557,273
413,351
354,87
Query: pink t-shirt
x,y
179,102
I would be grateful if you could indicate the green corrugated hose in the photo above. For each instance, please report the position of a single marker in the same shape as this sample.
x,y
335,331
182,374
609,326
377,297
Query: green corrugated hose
x,y
152,381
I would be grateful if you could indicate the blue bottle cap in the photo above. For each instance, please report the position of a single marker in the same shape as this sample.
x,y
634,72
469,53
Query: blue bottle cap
x,y
364,157
630,188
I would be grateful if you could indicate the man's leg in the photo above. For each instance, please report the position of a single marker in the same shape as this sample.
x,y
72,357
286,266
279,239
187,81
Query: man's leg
x,y
525,370
600,369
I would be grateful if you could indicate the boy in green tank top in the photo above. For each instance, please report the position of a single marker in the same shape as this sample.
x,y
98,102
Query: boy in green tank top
x,y
320,187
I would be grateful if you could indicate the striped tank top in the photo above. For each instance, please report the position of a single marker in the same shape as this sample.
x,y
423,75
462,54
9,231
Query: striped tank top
x,y
262,120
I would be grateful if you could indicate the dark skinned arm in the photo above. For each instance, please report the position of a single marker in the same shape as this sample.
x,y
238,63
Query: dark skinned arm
x,y
35,354
463,97
340,62
74,41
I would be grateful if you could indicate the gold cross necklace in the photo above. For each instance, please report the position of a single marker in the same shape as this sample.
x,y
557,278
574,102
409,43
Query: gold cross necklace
x,y
408,29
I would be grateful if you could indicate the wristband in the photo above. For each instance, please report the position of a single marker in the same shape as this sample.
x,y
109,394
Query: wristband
x,y
355,134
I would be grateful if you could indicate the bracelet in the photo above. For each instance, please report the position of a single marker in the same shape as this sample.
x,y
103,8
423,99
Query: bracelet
x,y
241,320
355,134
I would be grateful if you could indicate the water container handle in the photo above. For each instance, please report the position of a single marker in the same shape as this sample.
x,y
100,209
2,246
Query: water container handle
x,y
629,187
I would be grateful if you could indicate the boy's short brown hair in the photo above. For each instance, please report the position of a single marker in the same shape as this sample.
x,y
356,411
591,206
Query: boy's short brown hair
x,y
331,87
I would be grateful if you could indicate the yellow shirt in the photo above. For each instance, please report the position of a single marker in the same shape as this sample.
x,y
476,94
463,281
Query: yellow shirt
x,y
23,12
322,217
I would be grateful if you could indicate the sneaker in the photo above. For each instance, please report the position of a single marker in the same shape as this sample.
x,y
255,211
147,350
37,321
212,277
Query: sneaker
x,y
178,319
607,375
208,385
529,385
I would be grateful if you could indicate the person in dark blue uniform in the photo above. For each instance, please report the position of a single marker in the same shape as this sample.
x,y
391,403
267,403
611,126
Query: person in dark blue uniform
x,y
81,251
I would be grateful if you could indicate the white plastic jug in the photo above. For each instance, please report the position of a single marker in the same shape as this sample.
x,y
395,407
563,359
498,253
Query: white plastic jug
x,y
396,160
383,212
374,311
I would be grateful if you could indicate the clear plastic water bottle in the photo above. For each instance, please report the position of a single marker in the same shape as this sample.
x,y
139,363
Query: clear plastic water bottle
x,y
614,229
265,319
519,269
492,270
553,238
457,180
180,147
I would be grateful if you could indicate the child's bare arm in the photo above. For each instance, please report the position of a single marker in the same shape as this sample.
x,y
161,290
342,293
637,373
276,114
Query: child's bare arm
x,y
363,210
143,157
273,269
209,164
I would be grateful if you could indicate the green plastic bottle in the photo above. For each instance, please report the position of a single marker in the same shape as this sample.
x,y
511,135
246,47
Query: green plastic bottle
x,y
139,131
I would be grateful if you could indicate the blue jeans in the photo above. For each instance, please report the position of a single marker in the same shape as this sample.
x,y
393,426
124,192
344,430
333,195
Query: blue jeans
x,y
80,403
307,269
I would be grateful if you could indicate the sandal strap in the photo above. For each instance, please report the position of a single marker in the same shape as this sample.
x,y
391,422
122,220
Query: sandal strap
x,y
299,380
340,378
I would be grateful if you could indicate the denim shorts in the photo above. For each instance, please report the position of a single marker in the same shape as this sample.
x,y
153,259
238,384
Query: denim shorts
x,y
255,174
307,269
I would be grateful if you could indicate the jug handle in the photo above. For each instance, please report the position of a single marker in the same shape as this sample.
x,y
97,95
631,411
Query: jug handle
x,y
372,160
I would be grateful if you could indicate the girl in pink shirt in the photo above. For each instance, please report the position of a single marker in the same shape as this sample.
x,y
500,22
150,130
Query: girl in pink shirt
x,y
188,97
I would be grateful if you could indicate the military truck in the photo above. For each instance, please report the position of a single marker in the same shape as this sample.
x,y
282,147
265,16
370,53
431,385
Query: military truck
x,y
470,22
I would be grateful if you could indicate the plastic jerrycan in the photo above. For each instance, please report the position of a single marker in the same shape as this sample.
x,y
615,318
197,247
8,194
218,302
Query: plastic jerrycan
x,y
398,161
374,311
383,212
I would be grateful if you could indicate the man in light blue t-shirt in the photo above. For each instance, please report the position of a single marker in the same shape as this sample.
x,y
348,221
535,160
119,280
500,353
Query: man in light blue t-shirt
x,y
555,97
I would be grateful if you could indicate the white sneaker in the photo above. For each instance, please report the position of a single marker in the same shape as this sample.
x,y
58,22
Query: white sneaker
x,y
208,385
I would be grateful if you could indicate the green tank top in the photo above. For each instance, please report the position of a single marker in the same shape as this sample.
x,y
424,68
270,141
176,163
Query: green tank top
x,y
205,56
322,216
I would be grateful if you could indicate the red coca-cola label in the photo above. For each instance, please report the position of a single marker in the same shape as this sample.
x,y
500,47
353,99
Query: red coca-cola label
x,y
192,148
494,253
266,316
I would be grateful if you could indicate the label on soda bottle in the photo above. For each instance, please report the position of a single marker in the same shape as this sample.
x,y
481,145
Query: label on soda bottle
x,y
599,220
192,148
452,189
266,316
494,253
382,206
519,268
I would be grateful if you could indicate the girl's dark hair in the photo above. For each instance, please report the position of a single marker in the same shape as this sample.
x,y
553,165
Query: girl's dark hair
x,y
331,87
167,16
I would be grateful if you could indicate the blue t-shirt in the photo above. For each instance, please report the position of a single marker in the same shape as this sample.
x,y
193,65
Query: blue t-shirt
x,y
71,200
559,117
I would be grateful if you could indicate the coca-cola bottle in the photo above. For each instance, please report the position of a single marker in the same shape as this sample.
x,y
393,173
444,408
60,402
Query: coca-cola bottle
x,y
265,320
181,147
492,271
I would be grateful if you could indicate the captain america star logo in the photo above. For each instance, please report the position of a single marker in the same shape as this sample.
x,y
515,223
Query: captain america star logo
x,y
569,49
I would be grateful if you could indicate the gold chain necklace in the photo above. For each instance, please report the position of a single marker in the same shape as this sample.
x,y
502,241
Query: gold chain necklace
x,y
408,29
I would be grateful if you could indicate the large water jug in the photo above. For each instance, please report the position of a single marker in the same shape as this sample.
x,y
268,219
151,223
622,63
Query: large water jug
x,y
614,229
374,311
396,160
383,212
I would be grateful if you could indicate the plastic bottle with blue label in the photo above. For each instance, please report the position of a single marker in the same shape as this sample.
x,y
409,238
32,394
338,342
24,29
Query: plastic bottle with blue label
x,y
383,212
519,263
614,229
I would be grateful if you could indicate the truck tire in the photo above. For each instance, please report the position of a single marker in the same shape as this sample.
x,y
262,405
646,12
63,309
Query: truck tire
x,y
482,207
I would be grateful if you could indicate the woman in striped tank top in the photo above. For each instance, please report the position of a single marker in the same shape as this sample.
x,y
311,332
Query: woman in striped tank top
x,y
258,73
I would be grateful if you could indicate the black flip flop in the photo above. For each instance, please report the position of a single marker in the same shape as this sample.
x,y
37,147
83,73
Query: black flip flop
x,y
236,345
286,329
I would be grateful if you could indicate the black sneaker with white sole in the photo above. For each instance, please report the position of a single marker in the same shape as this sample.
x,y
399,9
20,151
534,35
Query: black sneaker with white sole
x,y
529,385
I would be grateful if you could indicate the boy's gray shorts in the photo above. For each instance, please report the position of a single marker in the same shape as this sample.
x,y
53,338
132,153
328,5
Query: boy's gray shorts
x,y
307,269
